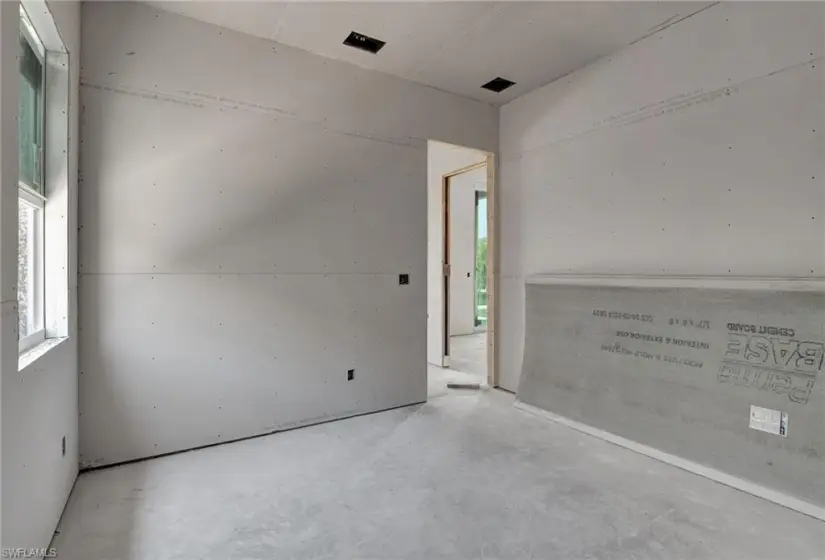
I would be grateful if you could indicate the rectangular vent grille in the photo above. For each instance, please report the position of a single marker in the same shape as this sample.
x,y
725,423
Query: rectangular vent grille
x,y
364,43
498,84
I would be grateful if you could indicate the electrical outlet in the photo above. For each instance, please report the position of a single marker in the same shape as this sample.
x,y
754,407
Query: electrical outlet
x,y
403,279
350,374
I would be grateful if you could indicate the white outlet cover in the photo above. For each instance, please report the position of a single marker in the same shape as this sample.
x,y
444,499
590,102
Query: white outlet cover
x,y
769,420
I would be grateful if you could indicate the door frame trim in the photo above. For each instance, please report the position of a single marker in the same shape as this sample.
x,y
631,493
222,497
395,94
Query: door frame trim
x,y
492,264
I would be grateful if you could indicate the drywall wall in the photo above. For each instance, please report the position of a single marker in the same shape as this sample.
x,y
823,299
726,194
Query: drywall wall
x,y
696,151
680,368
246,211
442,159
39,400
9,92
462,192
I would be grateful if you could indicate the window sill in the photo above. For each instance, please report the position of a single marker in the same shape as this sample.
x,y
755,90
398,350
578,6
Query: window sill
x,y
33,354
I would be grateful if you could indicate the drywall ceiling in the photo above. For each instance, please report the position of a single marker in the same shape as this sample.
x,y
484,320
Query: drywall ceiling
x,y
453,46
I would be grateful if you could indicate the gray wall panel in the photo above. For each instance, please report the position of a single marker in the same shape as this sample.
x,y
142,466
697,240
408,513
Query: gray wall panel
x,y
39,400
679,368
246,210
173,361
696,151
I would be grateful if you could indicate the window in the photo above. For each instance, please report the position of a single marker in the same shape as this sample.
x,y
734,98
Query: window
x,y
30,135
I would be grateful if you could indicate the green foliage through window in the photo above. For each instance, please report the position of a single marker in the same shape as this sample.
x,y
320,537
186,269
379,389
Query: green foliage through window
x,y
30,116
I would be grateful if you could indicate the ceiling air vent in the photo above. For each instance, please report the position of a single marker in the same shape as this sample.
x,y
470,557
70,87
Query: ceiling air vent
x,y
361,41
498,84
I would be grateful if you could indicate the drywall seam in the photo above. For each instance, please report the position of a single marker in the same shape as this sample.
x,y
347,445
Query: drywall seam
x,y
202,101
812,284
660,108
671,22
715,475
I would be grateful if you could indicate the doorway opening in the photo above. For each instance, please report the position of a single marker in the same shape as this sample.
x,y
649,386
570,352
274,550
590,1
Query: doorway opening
x,y
461,338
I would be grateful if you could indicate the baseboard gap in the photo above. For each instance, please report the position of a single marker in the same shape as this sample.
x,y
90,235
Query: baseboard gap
x,y
244,438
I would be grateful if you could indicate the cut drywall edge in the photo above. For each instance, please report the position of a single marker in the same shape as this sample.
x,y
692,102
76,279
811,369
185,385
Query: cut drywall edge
x,y
695,468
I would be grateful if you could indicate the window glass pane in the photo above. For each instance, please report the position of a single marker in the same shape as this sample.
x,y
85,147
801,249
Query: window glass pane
x,y
29,129
481,259
29,230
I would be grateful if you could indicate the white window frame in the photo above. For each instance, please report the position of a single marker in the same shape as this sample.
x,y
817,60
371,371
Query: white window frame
x,y
29,195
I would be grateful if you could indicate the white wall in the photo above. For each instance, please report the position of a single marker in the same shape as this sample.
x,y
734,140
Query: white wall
x,y
463,249
696,151
39,402
246,211
442,159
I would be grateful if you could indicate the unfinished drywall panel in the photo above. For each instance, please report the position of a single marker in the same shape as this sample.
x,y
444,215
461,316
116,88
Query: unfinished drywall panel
x,y
696,151
247,211
39,398
463,188
687,368
234,372
442,159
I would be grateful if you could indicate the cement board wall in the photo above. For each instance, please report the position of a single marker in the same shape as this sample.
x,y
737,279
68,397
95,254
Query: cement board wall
x,y
681,368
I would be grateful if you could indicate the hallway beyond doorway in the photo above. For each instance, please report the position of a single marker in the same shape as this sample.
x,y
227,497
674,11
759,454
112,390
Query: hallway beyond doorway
x,y
468,354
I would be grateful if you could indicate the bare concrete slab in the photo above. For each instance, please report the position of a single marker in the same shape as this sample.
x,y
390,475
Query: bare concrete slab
x,y
727,376
461,477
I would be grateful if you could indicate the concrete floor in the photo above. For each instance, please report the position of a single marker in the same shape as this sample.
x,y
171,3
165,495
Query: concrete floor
x,y
468,354
465,476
